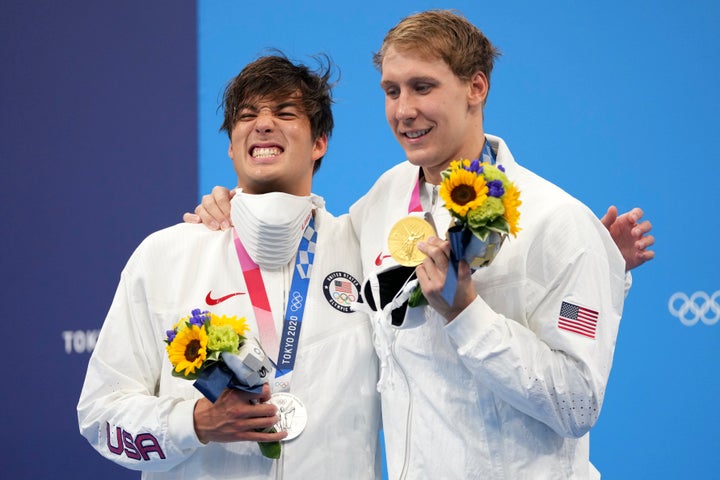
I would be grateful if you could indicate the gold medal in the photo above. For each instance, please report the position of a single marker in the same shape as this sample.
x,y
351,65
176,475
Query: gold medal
x,y
404,237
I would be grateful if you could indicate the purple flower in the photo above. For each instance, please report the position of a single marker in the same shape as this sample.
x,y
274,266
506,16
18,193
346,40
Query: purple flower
x,y
198,317
171,335
475,167
495,188
501,168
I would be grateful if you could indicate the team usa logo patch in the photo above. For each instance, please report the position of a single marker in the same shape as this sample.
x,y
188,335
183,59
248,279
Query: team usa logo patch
x,y
341,289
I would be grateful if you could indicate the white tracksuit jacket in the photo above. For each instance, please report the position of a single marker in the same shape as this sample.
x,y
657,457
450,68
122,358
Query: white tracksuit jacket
x,y
129,390
501,392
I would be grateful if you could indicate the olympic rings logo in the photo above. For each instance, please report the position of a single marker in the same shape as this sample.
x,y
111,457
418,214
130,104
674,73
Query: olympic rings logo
x,y
296,301
697,307
342,297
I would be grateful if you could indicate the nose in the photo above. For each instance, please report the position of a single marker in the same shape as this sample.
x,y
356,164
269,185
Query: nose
x,y
405,107
264,122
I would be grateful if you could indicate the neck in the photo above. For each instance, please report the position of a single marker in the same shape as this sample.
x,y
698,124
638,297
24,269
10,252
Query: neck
x,y
254,190
433,173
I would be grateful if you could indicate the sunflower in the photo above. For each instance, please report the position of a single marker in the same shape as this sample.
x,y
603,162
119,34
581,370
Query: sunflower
x,y
188,350
463,190
511,202
455,164
238,324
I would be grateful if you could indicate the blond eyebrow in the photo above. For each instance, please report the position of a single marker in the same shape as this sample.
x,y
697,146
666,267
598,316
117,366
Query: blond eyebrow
x,y
423,80
411,80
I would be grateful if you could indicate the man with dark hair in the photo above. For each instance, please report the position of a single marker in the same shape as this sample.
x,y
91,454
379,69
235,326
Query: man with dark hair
x,y
287,264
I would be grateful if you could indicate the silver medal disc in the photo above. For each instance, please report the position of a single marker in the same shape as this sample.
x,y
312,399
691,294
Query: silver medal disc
x,y
292,413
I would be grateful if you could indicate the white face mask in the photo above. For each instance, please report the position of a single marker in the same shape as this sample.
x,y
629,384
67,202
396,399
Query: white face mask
x,y
270,225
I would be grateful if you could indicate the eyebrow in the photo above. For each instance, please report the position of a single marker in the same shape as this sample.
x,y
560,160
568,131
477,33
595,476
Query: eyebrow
x,y
420,79
287,104
279,106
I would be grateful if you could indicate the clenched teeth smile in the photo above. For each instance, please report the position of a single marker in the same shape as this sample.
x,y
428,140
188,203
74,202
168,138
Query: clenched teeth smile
x,y
264,152
416,133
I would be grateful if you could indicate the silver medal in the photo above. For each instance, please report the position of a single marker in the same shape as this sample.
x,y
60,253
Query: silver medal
x,y
292,413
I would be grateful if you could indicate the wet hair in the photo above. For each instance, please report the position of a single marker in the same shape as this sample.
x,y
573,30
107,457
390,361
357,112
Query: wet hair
x,y
276,78
443,34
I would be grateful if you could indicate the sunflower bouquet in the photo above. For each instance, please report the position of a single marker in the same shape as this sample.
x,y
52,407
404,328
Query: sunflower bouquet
x,y
213,351
484,205
481,199
196,342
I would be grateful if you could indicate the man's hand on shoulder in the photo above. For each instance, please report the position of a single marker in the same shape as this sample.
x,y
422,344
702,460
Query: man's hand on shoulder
x,y
632,238
214,210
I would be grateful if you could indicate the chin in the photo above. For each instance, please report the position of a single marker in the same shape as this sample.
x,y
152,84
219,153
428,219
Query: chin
x,y
417,159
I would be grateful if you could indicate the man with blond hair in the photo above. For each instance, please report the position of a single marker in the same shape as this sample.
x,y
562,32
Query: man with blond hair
x,y
486,383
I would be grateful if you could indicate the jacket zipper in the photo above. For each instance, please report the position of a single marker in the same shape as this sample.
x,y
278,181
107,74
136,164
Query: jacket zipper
x,y
408,425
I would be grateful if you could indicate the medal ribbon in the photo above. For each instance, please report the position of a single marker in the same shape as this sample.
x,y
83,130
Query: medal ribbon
x,y
415,205
292,321
487,155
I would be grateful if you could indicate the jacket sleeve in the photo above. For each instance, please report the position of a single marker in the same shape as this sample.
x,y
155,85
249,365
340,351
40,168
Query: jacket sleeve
x,y
120,411
551,374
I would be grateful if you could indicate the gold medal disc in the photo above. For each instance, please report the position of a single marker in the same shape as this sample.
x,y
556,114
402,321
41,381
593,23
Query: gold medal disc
x,y
404,237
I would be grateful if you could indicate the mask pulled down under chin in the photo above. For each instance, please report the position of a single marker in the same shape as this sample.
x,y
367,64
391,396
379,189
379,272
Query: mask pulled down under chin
x,y
270,225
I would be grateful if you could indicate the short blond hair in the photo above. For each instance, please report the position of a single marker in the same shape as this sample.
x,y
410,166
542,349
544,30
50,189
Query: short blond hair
x,y
443,34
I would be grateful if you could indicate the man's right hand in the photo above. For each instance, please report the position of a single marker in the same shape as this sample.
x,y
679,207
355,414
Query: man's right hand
x,y
237,416
214,211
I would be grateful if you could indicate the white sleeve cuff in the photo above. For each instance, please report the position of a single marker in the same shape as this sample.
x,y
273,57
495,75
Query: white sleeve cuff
x,y
181,425
472,323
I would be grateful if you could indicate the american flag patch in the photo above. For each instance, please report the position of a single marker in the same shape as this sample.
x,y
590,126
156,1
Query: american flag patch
x,y
577,319
343,286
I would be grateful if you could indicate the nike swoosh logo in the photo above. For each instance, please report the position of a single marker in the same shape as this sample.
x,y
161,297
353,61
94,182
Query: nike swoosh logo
x,y
380,258
214,301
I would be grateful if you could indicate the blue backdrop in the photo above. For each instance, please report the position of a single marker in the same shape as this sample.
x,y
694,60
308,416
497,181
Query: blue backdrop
x,y
615,102
98,117
108,131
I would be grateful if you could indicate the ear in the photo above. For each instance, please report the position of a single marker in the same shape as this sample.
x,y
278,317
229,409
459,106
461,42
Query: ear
x,y
478,89
230,150
319,147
